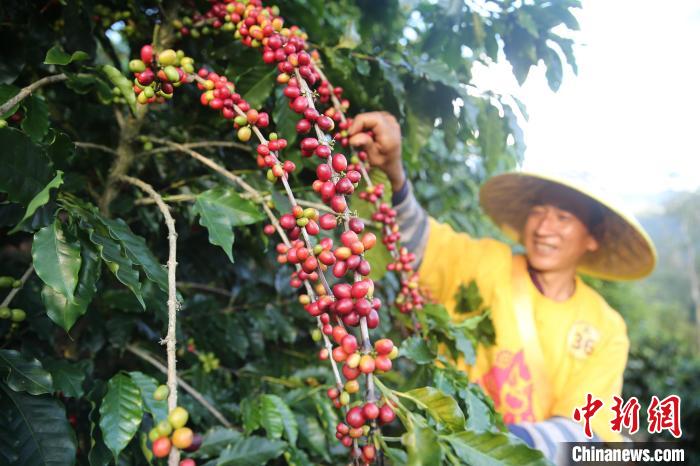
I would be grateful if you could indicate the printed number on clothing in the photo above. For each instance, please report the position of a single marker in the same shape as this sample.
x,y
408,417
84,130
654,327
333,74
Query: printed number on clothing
x,y
582,339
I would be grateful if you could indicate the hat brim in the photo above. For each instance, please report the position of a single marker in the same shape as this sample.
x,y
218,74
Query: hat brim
x,y
625,250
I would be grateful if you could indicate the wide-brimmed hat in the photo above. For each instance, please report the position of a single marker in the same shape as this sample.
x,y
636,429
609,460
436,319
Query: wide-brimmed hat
x,y
625,250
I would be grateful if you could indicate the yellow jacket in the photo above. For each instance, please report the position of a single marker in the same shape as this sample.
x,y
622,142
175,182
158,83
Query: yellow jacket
x,y
584,341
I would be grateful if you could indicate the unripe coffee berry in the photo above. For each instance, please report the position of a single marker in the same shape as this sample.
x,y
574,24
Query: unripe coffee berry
x,y
161,393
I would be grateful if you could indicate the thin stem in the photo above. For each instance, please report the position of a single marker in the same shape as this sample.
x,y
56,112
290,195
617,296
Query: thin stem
x,y
100,147
257,197
364,330
185,386
26,91
170,338
25,276
200,144
203,287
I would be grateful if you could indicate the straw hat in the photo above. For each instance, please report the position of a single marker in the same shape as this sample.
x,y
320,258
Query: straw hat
x,y
625,250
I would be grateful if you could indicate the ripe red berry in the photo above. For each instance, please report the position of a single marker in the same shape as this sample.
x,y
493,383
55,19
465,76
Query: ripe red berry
x,y
161,447
340,163
342,290
342,428
386,414
383,346
372,319
327,221
299,104
361,288
355,418
303,126
357,226
324,172
338,204
339,333
382,363
287,221
370,411
309,144
350,373
325,123
349,344
323,151
147,54
369,452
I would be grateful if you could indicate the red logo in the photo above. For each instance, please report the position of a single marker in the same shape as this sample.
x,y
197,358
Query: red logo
x,y
665,415
589,410
661,415
627,415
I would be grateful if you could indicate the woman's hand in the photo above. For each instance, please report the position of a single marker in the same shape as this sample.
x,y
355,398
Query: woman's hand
x,y
384,150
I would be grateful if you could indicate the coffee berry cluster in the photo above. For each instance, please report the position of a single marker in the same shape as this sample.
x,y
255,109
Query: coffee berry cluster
x,y
172,432
157,74
339,293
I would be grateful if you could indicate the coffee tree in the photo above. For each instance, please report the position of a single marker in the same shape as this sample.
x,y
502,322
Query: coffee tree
x,y
287,324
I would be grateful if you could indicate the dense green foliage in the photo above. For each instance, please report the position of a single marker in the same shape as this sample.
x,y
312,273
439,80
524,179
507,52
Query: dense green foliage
x,y
96,304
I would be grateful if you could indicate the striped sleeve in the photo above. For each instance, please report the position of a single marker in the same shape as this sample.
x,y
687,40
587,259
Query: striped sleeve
x,y
548,436
413,223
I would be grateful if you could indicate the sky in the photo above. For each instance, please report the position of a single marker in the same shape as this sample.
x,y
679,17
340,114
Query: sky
x,y
630,119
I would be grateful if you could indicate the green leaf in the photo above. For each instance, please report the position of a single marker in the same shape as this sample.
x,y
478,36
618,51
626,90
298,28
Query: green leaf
x,y
422,446
279,418
118,263
147,385
497,449
99,453
64,311
465,346
40,199
56,56
34,430
36,121
25,168
220,210
124,84
418,129
554,71
68,377
24,374
270,418
438,315
478,412
7,92
284,119
251,451
216,440
527,23
468,298
416,349
257,84
56,259
441,407
312,436
250,411
136,249
120,413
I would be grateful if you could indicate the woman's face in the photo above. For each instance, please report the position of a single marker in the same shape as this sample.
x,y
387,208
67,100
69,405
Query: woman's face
x,y
555,236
